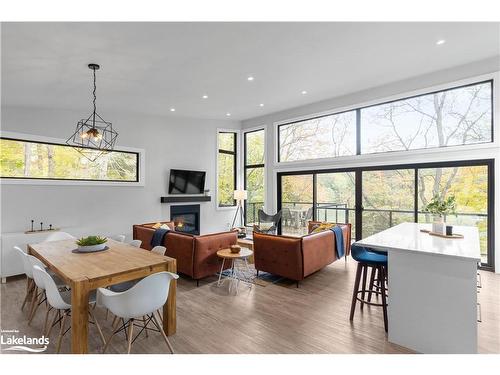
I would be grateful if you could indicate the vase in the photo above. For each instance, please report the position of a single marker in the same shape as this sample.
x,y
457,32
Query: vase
x,y
438,224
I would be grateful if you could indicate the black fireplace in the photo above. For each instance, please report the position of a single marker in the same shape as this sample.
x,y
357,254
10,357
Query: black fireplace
x,y
186,218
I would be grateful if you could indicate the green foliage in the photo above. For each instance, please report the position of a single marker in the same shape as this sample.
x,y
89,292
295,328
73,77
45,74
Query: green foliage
x,y
91,241
37,160
442,206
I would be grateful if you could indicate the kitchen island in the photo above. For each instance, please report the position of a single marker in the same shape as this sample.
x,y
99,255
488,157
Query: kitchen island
x,y
432,287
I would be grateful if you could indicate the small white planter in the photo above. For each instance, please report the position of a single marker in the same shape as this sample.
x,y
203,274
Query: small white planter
x,y
90,249
438,225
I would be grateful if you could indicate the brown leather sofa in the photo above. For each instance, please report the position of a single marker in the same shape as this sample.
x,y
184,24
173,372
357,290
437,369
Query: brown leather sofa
x,y
196,255
298,257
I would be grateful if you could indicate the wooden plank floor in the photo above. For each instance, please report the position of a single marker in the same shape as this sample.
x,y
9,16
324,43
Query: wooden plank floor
x,y
271,319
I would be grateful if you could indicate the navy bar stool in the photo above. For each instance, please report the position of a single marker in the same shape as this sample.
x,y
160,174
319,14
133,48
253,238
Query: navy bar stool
x,y
377,262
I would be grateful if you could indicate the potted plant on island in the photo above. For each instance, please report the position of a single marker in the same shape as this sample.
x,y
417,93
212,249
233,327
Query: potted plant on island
x,y
439,207
91,243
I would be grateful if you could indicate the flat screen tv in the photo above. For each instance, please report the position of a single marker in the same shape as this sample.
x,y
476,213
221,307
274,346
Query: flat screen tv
x,y
186,182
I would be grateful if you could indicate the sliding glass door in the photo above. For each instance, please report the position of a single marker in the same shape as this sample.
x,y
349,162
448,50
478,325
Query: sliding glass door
x,y
376,198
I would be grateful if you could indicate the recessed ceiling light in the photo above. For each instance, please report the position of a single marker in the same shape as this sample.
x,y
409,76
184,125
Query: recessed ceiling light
x,y
250,78
304,92
205,96
172,109
261,105
228,114
440,41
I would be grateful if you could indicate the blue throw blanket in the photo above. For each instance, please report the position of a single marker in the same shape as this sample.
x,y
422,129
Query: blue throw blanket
x,y
158,236
339,239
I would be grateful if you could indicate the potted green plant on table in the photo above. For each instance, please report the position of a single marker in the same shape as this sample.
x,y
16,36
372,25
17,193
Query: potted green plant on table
x,y
439,207
91,243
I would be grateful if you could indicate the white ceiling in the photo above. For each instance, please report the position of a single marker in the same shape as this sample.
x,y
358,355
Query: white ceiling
x,y
152,67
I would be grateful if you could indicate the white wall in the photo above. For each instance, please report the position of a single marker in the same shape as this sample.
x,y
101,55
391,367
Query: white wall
x,y
169,142
485,69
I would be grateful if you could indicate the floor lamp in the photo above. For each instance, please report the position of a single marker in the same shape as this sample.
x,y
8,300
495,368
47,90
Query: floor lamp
x,y
239,196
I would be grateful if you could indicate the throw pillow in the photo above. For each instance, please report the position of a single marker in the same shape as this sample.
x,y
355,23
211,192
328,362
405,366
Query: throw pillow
x,y
323,226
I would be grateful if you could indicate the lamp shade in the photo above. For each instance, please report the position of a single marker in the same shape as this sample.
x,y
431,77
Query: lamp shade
x,y
240,195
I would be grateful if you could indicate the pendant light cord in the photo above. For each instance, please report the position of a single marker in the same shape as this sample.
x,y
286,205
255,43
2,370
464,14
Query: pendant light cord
x,y
93,92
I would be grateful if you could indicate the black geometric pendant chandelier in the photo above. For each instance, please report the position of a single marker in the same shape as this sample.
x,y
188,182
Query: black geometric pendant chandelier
x,y
93,136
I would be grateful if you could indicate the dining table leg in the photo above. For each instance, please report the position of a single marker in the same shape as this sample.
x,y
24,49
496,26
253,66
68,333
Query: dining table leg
x,y
169,308
79,316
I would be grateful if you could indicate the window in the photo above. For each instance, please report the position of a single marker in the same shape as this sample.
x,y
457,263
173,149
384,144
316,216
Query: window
x,y
320,137
226,169
458,116
23,159
254,146
453,117
376,198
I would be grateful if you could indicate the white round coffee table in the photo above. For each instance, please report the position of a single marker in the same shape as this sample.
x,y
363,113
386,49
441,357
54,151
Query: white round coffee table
x,y
236,275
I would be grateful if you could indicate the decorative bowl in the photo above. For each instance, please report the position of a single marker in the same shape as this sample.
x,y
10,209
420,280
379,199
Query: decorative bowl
x,y
235,249
92,248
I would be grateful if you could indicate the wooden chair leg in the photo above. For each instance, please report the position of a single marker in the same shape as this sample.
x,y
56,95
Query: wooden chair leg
x,y
56,314
38,302
33,301
130,334
108,341
381,273
355,291
372,281
365,271
61,332
29,286
144,325
46,320
163,334
97,326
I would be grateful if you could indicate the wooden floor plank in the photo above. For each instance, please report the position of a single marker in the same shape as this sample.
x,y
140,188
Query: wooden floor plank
x,y
273,319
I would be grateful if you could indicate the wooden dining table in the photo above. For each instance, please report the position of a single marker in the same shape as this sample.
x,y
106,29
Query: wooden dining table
x,y
84,272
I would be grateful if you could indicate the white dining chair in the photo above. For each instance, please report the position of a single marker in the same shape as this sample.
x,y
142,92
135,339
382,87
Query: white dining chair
x,y
61,303
143,299
38,296
136,243
159,250
118,237
59,236
28,271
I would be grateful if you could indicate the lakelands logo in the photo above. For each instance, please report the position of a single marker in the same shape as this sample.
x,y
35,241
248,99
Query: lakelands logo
x,y
24,343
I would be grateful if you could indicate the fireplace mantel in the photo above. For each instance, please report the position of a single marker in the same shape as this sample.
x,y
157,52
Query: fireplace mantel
x,y
185,199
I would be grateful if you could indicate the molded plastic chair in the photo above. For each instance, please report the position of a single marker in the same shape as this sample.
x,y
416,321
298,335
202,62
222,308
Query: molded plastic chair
x,y
136,243
159,250
59,236
28,271
143,299
119,238
61,302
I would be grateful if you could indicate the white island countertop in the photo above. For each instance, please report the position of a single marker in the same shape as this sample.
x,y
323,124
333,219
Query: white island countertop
x,y
408,237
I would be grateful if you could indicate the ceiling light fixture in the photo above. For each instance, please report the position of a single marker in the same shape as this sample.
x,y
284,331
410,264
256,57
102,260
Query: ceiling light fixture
x,y
93,133
228,114
172,109
250,78
440,41
205,96
261,105
304,92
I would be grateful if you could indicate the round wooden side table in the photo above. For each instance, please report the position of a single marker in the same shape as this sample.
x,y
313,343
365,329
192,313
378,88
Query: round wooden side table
x,y
236,275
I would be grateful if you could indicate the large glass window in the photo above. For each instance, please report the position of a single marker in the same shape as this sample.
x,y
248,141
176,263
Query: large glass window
x,y
469,185
296,203
388,199
453,117
254,145
226,169
374,199
23,159
321,137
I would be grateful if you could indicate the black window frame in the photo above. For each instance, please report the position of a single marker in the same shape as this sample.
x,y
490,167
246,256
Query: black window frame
x,y
137,160
251,166
359,134
235,164
489,163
